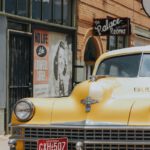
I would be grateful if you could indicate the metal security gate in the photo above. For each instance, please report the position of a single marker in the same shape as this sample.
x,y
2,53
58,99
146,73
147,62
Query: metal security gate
x,y
20,68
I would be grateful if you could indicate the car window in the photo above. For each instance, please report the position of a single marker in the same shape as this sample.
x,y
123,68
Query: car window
x,y
145,67
121,66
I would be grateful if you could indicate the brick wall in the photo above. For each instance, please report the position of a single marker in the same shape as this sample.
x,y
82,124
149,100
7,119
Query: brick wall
x,y
89,9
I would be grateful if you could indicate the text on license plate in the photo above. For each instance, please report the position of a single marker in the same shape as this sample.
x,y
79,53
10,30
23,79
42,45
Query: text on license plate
x,y
53,144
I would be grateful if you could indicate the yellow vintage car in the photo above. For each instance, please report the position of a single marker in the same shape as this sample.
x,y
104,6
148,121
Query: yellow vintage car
x,y
110,111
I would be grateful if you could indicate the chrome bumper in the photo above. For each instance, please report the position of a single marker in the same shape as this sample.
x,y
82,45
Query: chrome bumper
x,y
87,137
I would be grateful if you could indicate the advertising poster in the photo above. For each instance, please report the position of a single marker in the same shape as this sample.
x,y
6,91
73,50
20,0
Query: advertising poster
x,y
52,64
41,64
60,80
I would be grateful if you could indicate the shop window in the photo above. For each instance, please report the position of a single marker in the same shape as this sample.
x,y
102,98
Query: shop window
x,y
57,7
47,10
36,9
22,8
10,6
117,42
56,11
66,12
90,56
1,4
17,7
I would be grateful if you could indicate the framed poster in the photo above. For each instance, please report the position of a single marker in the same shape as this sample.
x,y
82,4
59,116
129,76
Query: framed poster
x,y
41,63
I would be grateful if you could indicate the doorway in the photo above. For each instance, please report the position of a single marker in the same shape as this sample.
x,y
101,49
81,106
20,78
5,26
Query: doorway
x,y
20,69
91,54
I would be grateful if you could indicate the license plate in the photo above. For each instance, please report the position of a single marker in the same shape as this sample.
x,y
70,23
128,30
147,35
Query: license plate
x,y
53,144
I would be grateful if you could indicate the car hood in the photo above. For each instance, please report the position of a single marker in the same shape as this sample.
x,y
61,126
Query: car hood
x,y
119,103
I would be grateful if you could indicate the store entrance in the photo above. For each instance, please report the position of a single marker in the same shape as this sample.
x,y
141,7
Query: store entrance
x,y
20,68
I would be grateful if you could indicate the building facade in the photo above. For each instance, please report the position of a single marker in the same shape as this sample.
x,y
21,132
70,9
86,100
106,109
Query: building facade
x,y
89,46
48,45
37,49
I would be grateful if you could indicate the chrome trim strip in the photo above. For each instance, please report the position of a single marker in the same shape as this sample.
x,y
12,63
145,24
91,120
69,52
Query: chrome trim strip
x,y
90,142
81,127
84,123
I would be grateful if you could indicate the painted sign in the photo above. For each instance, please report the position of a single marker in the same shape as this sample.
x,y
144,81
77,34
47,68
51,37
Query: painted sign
x,y
111,26
52,64
41,48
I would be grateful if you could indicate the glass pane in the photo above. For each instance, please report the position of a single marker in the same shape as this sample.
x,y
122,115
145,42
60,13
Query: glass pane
x,y
123,66
67,12
22,8
145,68
10,6
0,5
36,9
57,11
47,10
112,42
126,41
120,42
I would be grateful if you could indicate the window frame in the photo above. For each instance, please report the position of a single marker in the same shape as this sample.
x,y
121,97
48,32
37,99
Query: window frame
x,y
30,9
16,8
125,42
121,56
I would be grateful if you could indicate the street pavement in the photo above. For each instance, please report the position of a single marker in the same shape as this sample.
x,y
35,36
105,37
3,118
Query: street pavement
x,y
4,142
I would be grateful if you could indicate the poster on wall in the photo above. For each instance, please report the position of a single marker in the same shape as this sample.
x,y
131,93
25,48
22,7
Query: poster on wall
x,y
60,80
52,64
41,74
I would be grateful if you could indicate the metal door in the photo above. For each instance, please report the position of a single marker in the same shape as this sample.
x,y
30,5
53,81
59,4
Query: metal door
x,y
20,68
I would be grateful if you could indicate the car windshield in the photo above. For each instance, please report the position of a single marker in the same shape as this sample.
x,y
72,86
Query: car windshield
x,y
121,66
145,67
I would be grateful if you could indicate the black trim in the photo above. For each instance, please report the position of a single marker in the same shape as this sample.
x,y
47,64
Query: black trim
x,y
78,66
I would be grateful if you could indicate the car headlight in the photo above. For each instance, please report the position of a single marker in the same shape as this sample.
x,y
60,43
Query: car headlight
x,y
24,110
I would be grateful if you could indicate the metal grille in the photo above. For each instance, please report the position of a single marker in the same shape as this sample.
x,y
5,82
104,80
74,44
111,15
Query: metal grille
x,y
90,134
115,147
102,138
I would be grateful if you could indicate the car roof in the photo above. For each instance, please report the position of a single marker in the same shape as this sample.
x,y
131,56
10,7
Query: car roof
x,y
130,50
120,52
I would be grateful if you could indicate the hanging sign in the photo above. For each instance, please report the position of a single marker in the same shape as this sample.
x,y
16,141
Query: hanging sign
x,y
111,26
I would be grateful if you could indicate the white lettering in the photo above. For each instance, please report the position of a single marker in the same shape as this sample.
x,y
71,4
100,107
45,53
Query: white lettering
x,y
55,146
45,146
41,65
59,146
41,147
63,145
108,25
117,31
41,75
52,146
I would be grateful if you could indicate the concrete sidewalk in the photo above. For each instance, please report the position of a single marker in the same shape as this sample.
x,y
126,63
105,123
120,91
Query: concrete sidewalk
x,y
4,142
